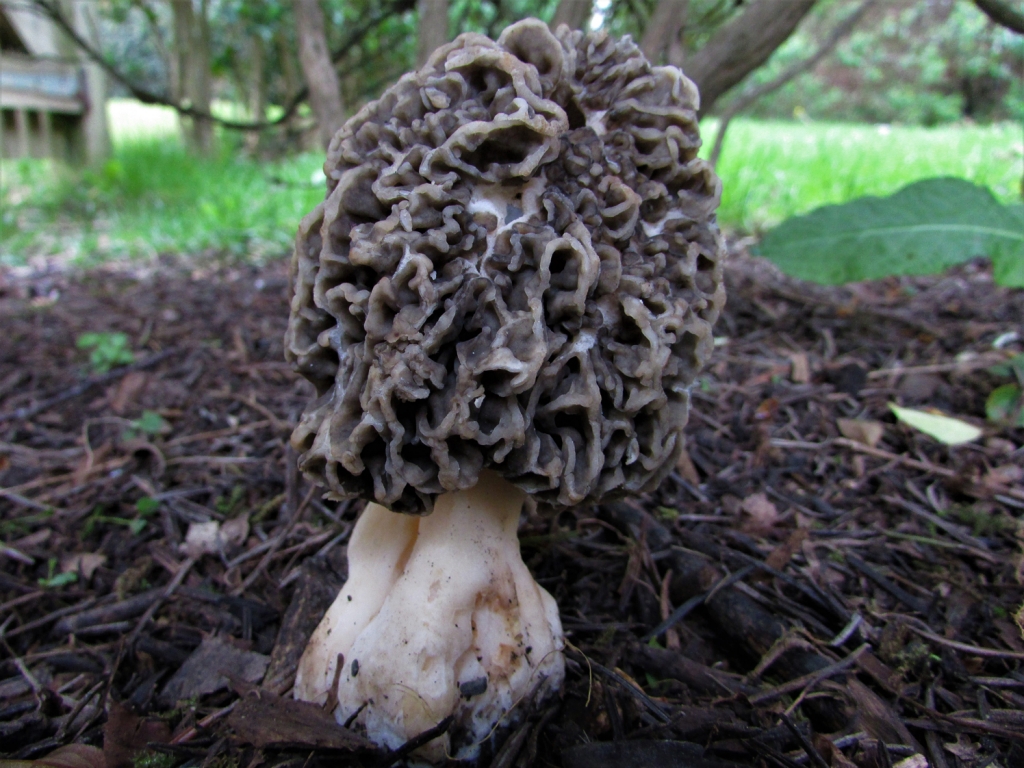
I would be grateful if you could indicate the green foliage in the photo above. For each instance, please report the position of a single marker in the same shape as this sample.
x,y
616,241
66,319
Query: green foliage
x,y
922,63
153,198
147,505
151,423
924,228
148,759
55,580
107,350
772,170
1005,404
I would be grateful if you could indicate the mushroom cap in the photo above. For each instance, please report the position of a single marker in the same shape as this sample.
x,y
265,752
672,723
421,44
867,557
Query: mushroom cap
x,y
516,267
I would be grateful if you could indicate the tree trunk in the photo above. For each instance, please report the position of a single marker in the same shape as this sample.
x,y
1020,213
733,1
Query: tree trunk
x,y
743,45
1002,14
257,89
575,13
663,28
322,79
433,18
190,72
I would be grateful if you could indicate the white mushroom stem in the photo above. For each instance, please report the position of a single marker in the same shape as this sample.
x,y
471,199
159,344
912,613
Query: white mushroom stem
x,y
439,617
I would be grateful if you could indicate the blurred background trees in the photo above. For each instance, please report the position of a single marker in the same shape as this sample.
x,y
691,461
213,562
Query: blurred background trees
x,y
830,99
908,61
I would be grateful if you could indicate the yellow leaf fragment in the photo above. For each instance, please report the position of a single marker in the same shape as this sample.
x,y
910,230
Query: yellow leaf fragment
x,y
945,429
863,431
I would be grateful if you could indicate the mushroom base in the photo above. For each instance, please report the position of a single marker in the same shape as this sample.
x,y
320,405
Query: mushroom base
x,y
439,617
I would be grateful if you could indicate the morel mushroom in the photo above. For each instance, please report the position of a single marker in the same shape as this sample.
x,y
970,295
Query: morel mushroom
x,y
508,290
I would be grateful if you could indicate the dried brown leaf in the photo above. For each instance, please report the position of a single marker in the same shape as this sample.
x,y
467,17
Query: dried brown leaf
x,y
864,431
126,734
763,513
82,563
265,719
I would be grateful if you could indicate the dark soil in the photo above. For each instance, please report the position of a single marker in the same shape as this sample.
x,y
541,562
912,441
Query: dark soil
x,y
830,601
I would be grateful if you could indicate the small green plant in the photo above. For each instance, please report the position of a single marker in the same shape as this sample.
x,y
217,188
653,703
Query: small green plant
x,y
227,506
144,506
149,759
55,580
149,424
1005,404
147,505
106,350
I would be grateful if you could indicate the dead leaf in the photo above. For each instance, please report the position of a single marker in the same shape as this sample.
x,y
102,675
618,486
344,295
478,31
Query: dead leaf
x,y
69,756
877,717
1000,478
235,531
945,429
863,431
763,513
686,468
832,754
209,668
82,563
800,372
131,386
126,734
784,552
767,409
265,719
211,537
33,539
914,761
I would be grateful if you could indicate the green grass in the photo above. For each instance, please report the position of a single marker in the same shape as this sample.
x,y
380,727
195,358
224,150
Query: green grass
x,y
772,170
152,198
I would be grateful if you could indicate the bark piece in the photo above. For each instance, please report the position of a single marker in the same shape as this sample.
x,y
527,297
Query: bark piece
x,y
209,668
264,719
316,589
640,754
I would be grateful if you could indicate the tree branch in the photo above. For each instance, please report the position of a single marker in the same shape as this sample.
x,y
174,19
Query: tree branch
x,y
1002,14
51,9
743,45
842,29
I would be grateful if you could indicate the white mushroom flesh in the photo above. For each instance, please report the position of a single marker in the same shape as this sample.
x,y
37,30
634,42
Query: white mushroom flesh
x,y
439,617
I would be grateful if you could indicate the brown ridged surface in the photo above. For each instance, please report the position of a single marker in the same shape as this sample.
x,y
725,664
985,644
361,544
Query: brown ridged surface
x,y
516,267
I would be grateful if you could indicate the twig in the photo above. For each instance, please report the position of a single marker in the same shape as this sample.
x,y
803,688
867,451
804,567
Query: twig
x,y
828,671
17,498
808,681
812,753
206,722
183,570
841,30
633,690
213,434
991,653
697,600
278,541
82,387
893,589
417,741
59,614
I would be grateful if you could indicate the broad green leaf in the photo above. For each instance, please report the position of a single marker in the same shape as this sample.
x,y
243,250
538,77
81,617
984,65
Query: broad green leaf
x,y
945,429
926,227
1005,405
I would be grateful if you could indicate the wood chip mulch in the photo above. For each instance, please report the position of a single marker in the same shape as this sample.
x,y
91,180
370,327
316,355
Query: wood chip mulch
x,y
816,585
